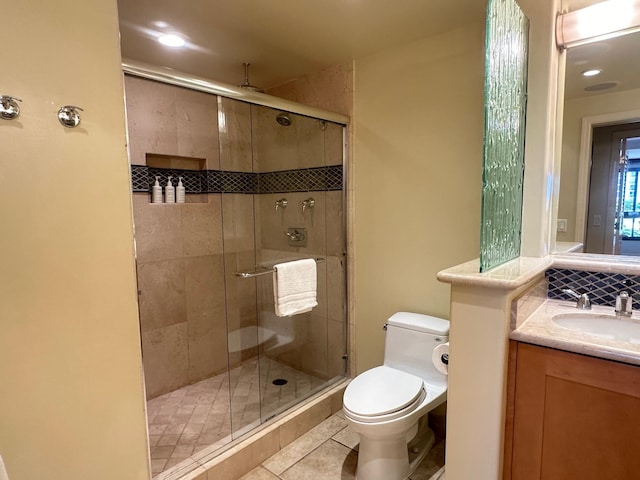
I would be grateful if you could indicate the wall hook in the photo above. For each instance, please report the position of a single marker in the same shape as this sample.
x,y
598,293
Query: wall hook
x,y
68,116
9,108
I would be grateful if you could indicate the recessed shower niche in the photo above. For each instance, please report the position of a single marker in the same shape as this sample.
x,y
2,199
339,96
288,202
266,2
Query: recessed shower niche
x,y
186,173
212,345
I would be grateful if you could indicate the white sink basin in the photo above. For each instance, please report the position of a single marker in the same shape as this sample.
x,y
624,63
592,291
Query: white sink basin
x,y
605,326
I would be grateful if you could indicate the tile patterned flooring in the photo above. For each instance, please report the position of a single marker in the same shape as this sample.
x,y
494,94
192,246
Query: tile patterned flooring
x,y
198,416
330,452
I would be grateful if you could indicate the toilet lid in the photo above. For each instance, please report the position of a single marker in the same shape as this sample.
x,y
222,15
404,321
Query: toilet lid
x,y
381,390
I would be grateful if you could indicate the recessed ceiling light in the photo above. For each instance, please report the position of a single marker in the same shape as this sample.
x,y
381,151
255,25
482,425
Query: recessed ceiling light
x,y
591,73
172,40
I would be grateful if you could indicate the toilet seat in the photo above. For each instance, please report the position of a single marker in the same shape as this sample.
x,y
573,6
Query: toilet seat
x,y
383,393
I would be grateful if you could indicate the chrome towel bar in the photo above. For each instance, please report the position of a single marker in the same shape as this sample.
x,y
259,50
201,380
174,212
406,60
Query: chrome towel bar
x,y
265,270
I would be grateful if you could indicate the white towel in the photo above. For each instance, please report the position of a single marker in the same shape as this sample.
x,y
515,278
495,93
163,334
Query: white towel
x,y
294,287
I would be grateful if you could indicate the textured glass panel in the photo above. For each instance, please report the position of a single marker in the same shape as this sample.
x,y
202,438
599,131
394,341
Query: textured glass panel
x,y
505,107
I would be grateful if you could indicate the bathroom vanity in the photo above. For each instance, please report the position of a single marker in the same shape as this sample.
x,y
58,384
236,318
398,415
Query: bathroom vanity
x,y
570,416
530,397
573,395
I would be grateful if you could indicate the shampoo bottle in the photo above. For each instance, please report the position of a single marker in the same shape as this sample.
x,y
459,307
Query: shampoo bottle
x,y
169,192
180,191
156,192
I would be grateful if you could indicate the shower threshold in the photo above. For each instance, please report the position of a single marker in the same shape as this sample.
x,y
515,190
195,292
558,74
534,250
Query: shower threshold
x,y
196,420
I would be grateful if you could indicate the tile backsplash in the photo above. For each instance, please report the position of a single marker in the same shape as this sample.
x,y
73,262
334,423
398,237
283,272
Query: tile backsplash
x,y
602,287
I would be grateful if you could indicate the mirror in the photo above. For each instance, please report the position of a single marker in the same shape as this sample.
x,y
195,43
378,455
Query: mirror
x,y
589,197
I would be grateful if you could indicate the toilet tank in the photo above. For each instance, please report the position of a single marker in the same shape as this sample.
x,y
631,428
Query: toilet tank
x,y
409,343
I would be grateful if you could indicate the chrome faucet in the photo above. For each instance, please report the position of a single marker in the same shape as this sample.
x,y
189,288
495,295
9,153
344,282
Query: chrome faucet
x,y
624,304
583,301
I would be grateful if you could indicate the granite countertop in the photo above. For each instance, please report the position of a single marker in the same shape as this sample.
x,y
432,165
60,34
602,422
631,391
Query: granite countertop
x,y
539,329
509,275
519,271
568,247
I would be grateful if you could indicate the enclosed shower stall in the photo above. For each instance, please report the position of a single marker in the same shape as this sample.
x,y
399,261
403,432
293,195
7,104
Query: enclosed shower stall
x,y
263,185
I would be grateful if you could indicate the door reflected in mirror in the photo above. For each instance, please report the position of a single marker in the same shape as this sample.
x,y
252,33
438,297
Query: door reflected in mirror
x,y
598,195
613,206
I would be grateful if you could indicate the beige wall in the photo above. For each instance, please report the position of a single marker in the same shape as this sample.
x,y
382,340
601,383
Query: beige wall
x,y
541,177
417,162
574,111
72,403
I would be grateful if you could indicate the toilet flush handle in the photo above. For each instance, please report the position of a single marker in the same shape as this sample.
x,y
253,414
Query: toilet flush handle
x,y
384,327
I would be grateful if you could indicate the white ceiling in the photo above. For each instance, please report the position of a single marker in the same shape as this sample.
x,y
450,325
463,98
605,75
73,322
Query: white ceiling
x,y
282,39
618,58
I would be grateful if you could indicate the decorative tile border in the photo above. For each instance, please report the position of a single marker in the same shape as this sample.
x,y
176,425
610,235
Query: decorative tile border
x,y
302,180
221,181
602,287
140,178
236,182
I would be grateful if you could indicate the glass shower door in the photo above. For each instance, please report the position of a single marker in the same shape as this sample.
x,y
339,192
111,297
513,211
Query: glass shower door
x,y
282,200
237,182
299,160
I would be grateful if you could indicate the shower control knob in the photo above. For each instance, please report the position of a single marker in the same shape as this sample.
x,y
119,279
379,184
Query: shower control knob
x,y
282,203
308,203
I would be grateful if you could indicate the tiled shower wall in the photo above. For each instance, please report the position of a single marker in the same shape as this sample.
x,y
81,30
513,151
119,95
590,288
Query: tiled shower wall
x,y
181,291
179,248
188,253
330,89
320,334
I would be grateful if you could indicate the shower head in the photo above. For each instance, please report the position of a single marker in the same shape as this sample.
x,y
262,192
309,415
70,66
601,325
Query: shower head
x,y
246,85
283,119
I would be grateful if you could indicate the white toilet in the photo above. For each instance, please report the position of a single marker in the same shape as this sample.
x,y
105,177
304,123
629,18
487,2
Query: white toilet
x,y
388,405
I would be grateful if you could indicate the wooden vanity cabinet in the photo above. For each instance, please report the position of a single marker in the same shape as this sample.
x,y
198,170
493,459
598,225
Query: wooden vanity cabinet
x,y
570,416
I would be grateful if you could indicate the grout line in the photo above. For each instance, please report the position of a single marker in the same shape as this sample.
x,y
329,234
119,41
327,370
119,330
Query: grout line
x,y
303,457
338,441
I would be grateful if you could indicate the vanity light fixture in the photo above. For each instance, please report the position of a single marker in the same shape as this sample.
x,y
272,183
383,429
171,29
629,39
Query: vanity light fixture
x,y
172,40
601,21
591,73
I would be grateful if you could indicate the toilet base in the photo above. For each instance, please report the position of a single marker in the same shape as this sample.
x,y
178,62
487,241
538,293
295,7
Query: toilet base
x,y
393,459
422,444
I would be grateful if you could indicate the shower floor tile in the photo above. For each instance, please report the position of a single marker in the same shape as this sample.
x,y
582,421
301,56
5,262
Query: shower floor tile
x,y
188,420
